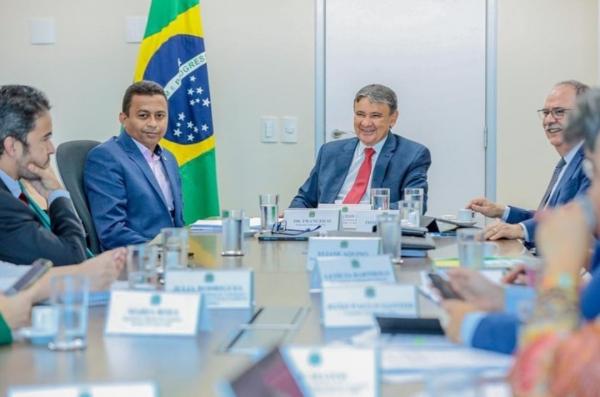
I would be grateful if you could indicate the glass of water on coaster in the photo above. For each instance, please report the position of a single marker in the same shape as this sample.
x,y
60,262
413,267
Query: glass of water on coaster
x,y
69,295
389,228
380,199
268,210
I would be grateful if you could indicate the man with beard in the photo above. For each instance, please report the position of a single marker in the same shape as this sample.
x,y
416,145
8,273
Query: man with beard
x,y
568,179
26,232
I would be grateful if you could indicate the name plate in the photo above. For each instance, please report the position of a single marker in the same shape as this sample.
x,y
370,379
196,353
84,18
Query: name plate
x,y
141,389
155,313
355,306
361,220
336,270
354,247
344,207
336,371
221,289
301,219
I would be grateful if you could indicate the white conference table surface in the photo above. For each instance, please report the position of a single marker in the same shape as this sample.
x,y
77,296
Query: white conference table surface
x,y
191,366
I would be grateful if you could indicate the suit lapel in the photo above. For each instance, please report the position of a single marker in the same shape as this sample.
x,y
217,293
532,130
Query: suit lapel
x,y
172,171
571,168
137,157
387,152
342,164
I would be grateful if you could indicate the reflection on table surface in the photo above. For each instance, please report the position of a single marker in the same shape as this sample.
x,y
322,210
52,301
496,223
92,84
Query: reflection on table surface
x,y
186,366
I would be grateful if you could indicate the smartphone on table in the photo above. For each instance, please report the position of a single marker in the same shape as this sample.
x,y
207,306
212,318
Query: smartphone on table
x,y
36,270
444,286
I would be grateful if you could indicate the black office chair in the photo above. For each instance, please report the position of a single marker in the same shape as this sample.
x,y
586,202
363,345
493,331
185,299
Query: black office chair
x,y
70,157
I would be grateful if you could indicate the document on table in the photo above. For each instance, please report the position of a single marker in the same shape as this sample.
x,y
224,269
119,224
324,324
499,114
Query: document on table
x,y
407,359
215,225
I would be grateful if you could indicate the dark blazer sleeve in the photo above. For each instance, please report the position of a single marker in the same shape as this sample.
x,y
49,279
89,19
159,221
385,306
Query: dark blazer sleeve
x,y
24,239
308,194
497,332
107,196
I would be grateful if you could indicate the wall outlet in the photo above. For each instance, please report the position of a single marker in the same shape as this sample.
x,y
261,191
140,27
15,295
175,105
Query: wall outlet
x,y
289,132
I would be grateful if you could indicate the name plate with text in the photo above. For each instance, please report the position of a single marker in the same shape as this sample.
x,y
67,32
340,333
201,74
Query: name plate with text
x,y
355,306
138,389
361,220
133,312
221,289
354,247
336,270
310,218
336,371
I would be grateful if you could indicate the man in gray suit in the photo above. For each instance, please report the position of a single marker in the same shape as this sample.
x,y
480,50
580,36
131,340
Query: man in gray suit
x,y
346,170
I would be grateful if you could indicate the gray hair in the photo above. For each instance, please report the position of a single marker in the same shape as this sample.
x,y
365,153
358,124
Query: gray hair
x,y
578,86
584,120
20,106
377,93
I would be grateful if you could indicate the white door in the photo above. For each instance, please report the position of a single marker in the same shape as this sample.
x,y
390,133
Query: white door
x,y
432,53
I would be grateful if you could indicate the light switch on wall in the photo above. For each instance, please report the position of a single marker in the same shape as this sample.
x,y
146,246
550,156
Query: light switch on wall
x,y
42,31
269,129
289,132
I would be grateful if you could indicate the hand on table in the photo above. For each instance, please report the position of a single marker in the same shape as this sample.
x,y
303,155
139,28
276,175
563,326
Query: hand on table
x,y
477,289
501,230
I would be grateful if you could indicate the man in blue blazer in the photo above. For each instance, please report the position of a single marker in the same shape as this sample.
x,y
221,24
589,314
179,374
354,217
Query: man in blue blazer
x,y
132,184
568,179
346,170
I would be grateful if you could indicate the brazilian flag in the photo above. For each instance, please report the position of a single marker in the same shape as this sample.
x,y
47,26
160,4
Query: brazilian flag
x,y
172,54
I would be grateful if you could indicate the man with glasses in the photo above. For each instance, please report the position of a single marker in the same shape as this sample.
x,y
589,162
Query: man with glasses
x,y
568,179
346,170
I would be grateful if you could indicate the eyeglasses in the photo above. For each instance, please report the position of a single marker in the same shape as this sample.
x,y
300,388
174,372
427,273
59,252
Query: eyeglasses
x,y
557,113
281,228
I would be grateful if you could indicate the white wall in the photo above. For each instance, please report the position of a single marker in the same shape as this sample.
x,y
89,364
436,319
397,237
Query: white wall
x,y
540,42
260,59
261,62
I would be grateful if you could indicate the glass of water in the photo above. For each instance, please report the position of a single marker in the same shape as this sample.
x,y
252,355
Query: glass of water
x,y
470,247
415,194
380,199
69,295
233,233
410,213
389,229
174,241
142,266
268,210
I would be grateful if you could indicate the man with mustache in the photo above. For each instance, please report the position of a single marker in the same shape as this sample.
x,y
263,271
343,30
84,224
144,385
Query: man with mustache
x,y
132,184
26,231
568,179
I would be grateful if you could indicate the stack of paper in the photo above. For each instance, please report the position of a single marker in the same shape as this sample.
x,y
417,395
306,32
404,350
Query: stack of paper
x,y
215,225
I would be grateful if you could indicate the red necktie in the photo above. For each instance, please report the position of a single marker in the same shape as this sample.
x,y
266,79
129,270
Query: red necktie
x,y
362,179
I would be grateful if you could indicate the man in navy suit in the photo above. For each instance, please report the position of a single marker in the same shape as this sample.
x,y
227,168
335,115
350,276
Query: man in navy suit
x,y
568,179
132,184
346,170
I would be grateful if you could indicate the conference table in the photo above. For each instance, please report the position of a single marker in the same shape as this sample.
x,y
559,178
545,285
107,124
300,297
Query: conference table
x,y
192,366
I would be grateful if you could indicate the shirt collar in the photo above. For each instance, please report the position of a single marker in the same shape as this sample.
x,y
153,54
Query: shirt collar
x,y
12,185
148,155
571,154
377,147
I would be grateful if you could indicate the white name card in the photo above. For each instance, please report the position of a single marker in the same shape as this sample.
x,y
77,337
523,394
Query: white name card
x,y
336,270
344,207
155,313
336,371
362,220
355,306
222,289
340,246
309,218
138,389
